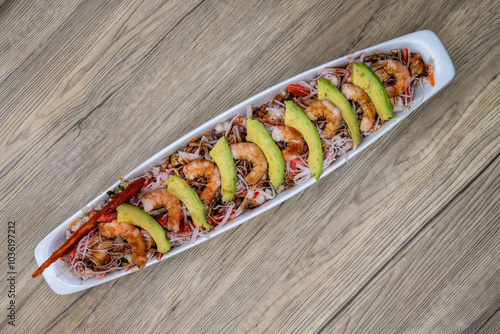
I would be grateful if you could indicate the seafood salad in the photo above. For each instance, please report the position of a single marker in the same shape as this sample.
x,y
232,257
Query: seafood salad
x,y
242,163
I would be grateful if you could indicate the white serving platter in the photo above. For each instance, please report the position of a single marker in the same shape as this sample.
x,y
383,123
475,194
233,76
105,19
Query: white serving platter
x,y
425,42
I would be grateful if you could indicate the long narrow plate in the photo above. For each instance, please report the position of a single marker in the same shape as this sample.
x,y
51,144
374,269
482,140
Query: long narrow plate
x,y
425,42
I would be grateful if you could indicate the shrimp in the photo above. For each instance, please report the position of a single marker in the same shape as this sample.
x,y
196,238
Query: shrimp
x,y
252,153
292,139
131,234
161,197
401,76
355,93
332,114
417,64
211,173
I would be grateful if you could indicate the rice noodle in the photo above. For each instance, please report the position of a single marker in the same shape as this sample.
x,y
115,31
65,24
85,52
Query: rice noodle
x,y
83,260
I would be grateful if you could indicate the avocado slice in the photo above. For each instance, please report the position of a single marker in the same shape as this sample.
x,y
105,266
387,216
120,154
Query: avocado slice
x,y
327,91
257,134
363,77
130,214
221,153
296,118
184,193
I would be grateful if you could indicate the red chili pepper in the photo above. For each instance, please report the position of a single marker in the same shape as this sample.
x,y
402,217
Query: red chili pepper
x,y
297,90
405,55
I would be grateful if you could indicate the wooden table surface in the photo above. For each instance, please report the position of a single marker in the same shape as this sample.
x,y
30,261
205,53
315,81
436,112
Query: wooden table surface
x,y
403,239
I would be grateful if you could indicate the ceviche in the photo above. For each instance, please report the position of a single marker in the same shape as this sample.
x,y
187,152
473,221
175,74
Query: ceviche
x,y
242,163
